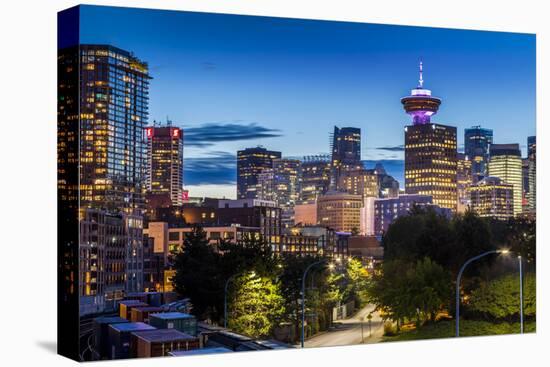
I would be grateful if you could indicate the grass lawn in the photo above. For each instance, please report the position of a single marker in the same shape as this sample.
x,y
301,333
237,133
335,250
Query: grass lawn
x,y
446,329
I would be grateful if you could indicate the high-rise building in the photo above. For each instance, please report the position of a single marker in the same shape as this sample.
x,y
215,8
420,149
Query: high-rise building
x,y
359,181
250,163
477,141
492,197
525,184
430,150
102,111
340,211
463,181
315,178
346,152
505,163
281,183
532,182
113,100
165,162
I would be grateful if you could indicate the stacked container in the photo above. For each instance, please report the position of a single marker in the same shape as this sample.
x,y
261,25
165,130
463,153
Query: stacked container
x,y
141,314
160,342
119,338
174,320
126,306
101,333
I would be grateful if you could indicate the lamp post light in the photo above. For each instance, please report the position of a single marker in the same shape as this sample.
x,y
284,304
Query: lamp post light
x,y
457,314
331,266
253,274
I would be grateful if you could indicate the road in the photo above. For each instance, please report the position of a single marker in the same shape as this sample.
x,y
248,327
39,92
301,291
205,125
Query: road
x,y
348,332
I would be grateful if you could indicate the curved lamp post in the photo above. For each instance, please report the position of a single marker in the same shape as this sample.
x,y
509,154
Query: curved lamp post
x,y
457,315
225,296
304,296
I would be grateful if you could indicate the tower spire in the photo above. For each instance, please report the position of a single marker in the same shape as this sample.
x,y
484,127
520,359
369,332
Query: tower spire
x,y
420,80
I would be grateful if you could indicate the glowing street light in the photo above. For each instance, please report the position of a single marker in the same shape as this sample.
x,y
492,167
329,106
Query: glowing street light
x,y
457,313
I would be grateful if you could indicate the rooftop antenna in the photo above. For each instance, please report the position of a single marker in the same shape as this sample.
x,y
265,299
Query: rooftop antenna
x,y
421,80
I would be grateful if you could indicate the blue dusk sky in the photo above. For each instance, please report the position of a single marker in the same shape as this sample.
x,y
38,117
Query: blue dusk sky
x,y
233,82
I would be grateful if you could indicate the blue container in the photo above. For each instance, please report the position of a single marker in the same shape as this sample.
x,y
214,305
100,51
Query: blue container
x,y
119,338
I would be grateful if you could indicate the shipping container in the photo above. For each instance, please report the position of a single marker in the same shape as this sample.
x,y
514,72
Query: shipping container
x,y
141,313
158,343
175,320
137,296
154,298
169,297
213,350
101,334
125,307
119,338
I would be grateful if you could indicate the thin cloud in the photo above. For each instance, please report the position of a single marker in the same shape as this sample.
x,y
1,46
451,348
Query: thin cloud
x,y
397,148
216,168
211,133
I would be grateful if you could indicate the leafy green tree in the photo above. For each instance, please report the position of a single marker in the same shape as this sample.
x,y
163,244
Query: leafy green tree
x,y
256,305
357,279
323,289
499,299
429,289
410,291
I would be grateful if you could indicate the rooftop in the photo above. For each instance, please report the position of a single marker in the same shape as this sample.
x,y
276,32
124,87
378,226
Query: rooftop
x,y
163,335
215,350
173,315
132,326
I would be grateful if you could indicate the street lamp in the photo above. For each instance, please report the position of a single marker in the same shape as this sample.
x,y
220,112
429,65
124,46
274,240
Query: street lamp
x,y
331,266
253,274
457,315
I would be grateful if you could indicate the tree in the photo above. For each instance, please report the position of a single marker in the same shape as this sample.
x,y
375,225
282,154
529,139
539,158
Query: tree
x,y
357,278
322,289
448,242
499,299
256,305
410,291
198,276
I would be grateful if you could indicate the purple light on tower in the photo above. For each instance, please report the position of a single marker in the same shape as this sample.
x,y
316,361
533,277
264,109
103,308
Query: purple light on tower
x,y
421,105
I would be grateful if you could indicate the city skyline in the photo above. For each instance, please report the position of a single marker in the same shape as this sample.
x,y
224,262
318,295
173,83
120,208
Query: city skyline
x,y
309,76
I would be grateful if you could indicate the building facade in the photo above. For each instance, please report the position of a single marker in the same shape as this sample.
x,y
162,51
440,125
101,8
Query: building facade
x,y
111,258
359,181
464,179
505,163
250,163
346,152
532,172
113,101
263,214
477,142
431,163
386,211
102,111
340,211
315,177
492,197
164,164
